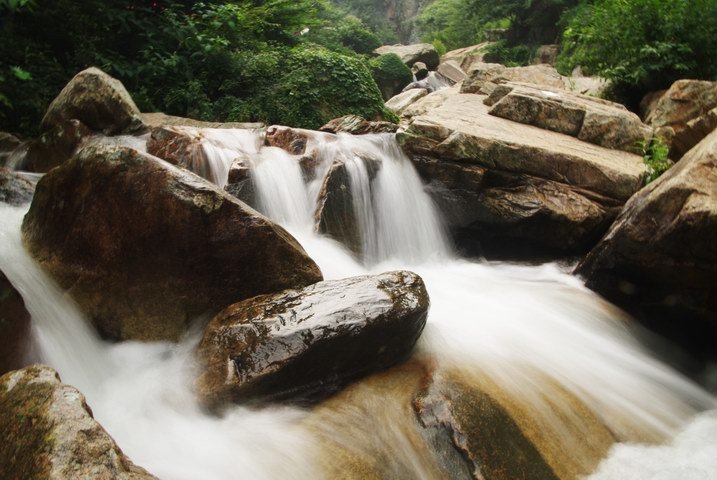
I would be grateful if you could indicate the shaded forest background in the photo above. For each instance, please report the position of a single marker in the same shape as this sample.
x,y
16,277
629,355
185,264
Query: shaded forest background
x,y
302,62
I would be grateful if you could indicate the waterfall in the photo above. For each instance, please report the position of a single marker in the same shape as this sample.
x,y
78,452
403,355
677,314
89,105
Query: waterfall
x,y
529,329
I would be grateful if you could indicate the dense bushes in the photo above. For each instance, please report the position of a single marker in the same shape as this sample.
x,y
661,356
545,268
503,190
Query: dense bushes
x,y
239,61
643,44
390,74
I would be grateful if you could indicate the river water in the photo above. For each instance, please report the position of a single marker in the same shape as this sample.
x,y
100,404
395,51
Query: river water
x,y
526,328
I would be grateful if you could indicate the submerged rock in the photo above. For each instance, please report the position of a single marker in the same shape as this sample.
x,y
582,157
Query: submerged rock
x,y
410,54
14,189
659,258
98,101
144,247
49,432
509,189
307,343
14,327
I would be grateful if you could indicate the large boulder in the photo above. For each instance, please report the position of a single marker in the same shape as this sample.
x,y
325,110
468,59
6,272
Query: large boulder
x,y
144,247
14,327
508,186
358,126
14,189
306,343
49,432
590,119
485,76
685,114
410,54
98,101
659,259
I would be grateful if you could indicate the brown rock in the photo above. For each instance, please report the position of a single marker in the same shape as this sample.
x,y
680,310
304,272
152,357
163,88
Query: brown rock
x,y
14,189
358,126
659,259
530,187
98,101
144,247
14,327
546,54
451,70
410,54
158,119
468,57
49,432
484,76
687,108
308,342
8,143
590,119
52,148
293,140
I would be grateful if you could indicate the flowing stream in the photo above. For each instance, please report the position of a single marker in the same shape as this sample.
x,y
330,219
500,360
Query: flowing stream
x,y
526,328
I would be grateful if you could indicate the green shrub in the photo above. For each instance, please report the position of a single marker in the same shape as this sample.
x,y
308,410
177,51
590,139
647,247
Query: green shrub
x,y
515,56
390,73
642,44
654,154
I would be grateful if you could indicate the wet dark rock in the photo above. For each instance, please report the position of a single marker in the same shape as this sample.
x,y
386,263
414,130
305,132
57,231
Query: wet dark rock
x,y
14,327
8,143
97,100
239,182
53,147
659,258
49,432
144,247
335,213
293,140
306,343
14,189
358,126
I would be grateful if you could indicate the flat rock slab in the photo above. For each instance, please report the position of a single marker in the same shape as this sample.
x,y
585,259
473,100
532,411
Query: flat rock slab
x,y
589,119
49,432
144,246
458,127
306,343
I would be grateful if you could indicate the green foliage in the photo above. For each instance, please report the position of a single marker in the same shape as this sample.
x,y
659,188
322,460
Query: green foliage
x,y
642,44
344,34
389,68
654,154
515,56
454,23
236,61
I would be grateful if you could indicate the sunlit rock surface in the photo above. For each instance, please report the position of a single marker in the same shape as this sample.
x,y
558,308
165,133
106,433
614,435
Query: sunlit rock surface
x,y
144,247
308,342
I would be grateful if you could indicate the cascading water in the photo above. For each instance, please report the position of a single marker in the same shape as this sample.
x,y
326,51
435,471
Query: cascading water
x,y
527,329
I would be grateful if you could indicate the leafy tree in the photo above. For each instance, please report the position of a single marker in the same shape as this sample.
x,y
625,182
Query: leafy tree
x,y
642,45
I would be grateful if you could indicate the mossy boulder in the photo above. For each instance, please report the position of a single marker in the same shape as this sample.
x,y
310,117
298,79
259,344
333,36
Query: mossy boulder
x,y
49,432
390,73
144,246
